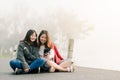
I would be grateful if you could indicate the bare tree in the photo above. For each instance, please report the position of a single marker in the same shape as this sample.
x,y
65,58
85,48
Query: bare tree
x,y
62,25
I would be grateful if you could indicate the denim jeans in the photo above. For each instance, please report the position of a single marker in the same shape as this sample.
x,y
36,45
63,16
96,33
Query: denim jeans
x,y
34,65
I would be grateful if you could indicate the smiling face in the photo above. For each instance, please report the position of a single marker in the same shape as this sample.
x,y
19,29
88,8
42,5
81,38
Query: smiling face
x,y
33,37
43,38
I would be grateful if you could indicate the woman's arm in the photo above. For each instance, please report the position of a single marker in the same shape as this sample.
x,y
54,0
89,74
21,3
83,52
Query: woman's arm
x,y
21,57
30,55
49,55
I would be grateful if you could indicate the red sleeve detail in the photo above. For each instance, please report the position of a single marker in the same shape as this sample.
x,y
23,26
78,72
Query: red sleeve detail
x,y
58,57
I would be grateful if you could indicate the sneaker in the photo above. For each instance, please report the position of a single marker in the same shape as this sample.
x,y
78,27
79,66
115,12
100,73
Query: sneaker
x,y
71,69
39,70
18,71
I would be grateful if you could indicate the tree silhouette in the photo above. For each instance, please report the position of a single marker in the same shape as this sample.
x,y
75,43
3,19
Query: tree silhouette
x,y
62,26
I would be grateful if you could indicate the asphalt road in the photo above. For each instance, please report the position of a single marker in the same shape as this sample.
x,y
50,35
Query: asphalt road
x,y
81,73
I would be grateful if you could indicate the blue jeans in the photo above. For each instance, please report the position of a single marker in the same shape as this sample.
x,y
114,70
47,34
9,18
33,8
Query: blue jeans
x,y
34,65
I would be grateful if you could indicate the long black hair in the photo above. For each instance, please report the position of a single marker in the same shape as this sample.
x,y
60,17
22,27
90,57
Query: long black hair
x,y
27,37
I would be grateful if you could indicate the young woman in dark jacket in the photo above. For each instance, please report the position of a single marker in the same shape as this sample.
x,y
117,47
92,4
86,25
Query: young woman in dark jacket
x,y
27,55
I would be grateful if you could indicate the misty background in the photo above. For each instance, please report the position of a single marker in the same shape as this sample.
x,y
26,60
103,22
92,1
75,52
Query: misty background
x,y
18,16
92,24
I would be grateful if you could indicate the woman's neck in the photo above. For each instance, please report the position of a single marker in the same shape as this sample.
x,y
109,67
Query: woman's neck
x,y
29,43
42,44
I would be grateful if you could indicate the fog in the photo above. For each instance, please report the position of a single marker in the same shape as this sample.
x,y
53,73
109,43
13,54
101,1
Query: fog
x,y
102,48
56,16
93,24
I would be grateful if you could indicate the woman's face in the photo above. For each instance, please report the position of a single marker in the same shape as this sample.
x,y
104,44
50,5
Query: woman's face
x,y
33,37
43,38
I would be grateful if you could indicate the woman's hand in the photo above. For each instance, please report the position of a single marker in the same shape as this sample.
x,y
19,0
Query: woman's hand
x,y
27,70
47,55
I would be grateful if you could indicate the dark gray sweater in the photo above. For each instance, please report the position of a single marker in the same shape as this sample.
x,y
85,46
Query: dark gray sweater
x,y
27,54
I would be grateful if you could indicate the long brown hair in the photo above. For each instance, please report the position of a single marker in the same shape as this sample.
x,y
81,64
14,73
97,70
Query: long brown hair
x,y
48,42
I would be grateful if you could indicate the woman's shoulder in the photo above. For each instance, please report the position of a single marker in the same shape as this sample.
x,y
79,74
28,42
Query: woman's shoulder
x,y
22,43
52,45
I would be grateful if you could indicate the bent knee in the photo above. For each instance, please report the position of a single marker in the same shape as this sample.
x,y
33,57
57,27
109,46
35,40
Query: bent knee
x,y
41,61
12,62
